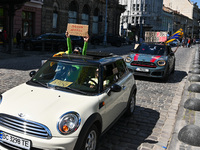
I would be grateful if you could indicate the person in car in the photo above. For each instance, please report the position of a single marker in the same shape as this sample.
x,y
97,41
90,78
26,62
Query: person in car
x,y
77,50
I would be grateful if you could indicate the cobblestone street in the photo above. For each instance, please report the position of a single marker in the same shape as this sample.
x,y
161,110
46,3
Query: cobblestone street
x,y
151,126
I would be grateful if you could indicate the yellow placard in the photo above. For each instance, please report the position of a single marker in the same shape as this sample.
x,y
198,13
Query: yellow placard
x,y
77,29
61,83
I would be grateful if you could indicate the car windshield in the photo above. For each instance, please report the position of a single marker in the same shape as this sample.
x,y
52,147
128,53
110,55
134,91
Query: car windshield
x,y
150,49
68,76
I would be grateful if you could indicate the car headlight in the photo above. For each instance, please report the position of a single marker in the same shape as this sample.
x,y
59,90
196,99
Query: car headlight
x,y
68,123
161,63
128,59
1,97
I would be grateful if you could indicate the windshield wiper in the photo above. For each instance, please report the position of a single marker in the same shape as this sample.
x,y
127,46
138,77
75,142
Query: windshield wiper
x,y
68,88
40,83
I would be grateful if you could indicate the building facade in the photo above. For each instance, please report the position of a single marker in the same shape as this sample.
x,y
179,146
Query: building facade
x,y
191,11
27,19
141,16
56,14
36,17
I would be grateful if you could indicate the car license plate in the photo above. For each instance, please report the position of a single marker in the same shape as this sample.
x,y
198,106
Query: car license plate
x,y
142,69
14,140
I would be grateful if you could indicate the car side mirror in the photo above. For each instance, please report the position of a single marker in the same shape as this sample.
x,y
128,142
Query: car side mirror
x,y
32,73
114,88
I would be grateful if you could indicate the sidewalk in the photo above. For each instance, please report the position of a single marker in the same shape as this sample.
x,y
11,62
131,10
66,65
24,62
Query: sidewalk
x,y
186,134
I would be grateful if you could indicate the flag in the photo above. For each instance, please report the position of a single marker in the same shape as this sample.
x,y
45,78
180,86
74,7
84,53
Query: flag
x,y
177,35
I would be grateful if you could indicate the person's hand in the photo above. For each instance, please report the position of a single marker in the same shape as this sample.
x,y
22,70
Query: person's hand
x,y
67,34
86,38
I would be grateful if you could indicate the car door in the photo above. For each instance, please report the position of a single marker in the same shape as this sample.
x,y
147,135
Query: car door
x,y
113,101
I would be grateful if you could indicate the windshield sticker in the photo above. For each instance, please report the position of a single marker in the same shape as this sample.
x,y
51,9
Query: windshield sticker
x,y
61,83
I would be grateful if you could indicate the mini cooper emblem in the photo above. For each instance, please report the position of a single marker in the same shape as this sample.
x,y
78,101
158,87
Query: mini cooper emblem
x,y
21,114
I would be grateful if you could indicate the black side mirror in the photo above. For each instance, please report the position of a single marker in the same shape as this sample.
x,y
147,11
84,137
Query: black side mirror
x,y
114,88
32,73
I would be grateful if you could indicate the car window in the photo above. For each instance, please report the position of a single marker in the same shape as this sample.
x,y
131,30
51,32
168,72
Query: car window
x,y
110,75
121,66
151,49
68,75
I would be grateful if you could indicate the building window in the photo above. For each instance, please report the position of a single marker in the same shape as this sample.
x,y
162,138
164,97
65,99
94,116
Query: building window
x,y
137,20
27,24
133,7
95,21
138,7
55,19
85,15
133,20
55,15
73,9
145,9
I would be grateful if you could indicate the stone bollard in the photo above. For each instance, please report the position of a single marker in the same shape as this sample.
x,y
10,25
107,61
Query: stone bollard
x,y
190,134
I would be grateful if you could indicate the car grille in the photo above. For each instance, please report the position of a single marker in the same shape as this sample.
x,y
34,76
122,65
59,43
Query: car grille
x,y
143,64
25,126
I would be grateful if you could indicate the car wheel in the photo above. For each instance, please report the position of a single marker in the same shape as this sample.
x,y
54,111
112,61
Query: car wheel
x,y
91,138
166,76
131,104
173,69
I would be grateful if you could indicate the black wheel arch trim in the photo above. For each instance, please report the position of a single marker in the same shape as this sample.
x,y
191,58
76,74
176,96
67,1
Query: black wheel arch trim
x,y
94,119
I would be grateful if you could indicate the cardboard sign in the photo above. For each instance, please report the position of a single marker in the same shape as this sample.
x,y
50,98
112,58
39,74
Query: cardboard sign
x,y
151,36
78,29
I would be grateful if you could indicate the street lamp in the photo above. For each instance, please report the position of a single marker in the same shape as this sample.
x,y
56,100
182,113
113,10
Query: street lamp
x,y
105,32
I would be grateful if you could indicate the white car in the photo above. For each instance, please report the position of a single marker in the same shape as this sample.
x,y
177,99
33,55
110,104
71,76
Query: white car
x,y
68,103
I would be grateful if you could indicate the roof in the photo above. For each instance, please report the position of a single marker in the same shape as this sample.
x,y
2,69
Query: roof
x,y
95,58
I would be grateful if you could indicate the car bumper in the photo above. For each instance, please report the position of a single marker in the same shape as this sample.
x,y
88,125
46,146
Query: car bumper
x,y
38,143
158,72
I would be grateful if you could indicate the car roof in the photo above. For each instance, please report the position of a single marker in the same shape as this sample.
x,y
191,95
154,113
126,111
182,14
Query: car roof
x,y
92,58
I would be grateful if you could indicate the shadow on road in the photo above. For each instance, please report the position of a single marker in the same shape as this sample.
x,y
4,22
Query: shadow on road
x,y
131,132
175,77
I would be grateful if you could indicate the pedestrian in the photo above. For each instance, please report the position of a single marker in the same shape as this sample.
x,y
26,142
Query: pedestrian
x,y
5,38
18,38
183,42
188,43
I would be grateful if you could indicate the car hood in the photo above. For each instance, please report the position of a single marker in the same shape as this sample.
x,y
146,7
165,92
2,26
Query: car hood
x,y
44,105
147,58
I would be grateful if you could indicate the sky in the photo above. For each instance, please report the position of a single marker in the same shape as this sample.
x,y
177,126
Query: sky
x,y
198,2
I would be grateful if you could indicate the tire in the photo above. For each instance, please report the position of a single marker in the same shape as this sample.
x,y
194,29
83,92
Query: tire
x,y
166,76
131,104
91,138
173,69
